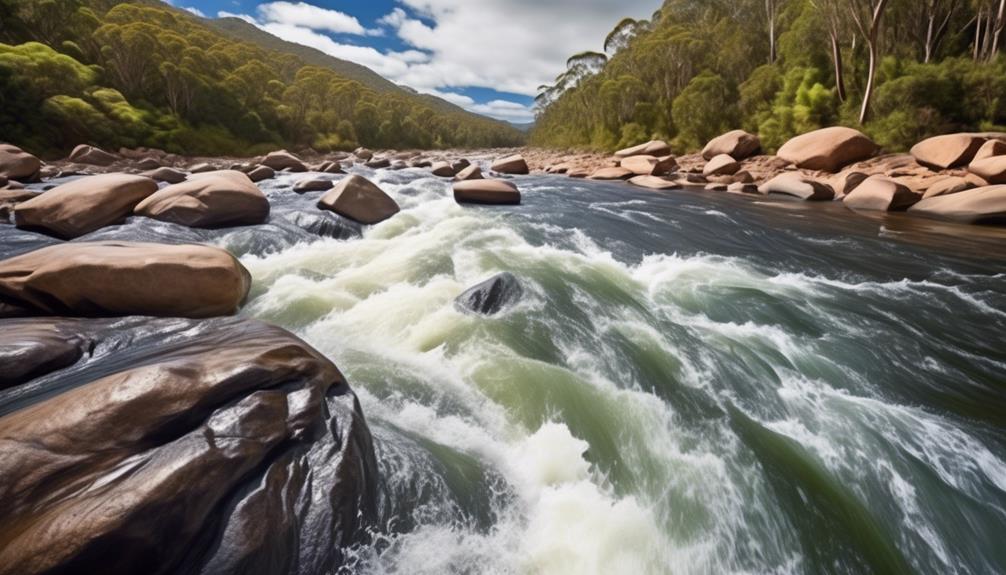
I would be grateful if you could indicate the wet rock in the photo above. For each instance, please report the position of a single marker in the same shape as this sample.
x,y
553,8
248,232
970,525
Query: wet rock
x,y
16,164
9,199
358,199
652,148
442,169
654,183
30,348
420,163
650,165
881,194
221,446
742,188
261,174
828,149
460,165
313,185
363,154
169,175
325,224
209,200
85,154
722,165
798,186
979,205
992,170
737,144
84,205
715,187
472,172
612,174
284,160
486,192
329,167
492,295
947,151
125,278
511,165
378,163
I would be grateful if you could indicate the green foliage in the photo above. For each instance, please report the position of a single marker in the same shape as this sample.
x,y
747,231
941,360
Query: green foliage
x,y
136,74
705,109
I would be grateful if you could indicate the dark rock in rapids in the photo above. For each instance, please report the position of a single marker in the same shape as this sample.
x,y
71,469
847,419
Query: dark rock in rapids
x,y
142,445
492,295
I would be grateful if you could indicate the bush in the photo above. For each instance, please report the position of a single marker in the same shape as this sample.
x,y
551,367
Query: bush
x,y
705,109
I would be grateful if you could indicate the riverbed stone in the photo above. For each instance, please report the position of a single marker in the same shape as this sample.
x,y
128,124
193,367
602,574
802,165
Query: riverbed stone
x,y
650,165
125,278
798,186
617,173
9,199
828,149
360,200
472,172
378,163
491,296
947,151
992,170
261,173
16,164
313,185
86,154
656,148
499,192
979,205
84,205
514,164
654,183
881,193
948,185
721,165
737,144
442,170
283,160
164,174
990,149
220,199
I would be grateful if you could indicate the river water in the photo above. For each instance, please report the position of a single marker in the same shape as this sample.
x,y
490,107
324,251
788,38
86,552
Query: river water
x,y
693,382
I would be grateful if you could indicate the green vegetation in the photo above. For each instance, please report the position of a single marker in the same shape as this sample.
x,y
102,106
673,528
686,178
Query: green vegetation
x,y
901,70
145,74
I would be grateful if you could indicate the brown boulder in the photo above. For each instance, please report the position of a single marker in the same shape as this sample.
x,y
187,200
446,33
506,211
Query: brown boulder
x,y
84,154
979,205
611,174
472,172
283,160
210,200
202,168
442,169
650,165
511,165
378,163
169,175
722,165
84,205
148,164
828,149
313,185
125,278
947,151
654,183
992,170
358,199
799,186
261,173
948,185
743,188
990,149
486,192
737,144
9,199
652,148
363,154
16,164
881,193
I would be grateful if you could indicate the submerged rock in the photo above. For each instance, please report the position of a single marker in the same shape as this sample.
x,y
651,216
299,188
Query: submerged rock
x,y
84,205
210,200
492,295
16,164
828,149
123,278
486,192
359,199
737,144
171,446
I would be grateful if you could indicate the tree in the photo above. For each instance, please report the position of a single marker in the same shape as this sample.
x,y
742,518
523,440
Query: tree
x,y
867,14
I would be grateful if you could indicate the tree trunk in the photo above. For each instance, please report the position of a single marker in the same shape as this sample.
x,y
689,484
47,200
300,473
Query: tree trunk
x,y
997,31
836,57
865,110
770,10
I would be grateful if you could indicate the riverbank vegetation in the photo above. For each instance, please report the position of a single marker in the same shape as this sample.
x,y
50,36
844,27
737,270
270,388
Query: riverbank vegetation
x,y
144,74
900,70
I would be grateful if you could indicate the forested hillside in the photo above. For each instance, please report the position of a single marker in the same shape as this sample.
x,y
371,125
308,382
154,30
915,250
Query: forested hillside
x,y
145,74
901,69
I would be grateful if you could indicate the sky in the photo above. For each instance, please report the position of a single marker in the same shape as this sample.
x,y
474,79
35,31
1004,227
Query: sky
x,y
488,56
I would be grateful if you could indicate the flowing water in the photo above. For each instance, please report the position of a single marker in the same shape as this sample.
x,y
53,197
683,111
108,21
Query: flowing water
x,y
692,383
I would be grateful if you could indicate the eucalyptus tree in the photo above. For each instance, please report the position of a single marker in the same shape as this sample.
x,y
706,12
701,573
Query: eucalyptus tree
x,y
868,15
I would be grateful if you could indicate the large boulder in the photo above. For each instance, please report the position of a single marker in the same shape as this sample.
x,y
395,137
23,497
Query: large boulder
x,y
798,186
492,295
650,165
828,149
881,194
84,205
979,205
124,278
85,154
947,151
721,165
261,173
737,144
511,165
486,192
359,199
16,164
992,170
145,445
652,148
284,160
990,149
210,200
616,173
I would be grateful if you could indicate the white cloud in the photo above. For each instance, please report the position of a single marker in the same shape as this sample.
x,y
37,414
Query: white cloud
x,y
312,17
195,11
245,17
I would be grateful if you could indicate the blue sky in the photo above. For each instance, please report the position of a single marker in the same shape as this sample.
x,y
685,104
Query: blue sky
x,y
488,56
